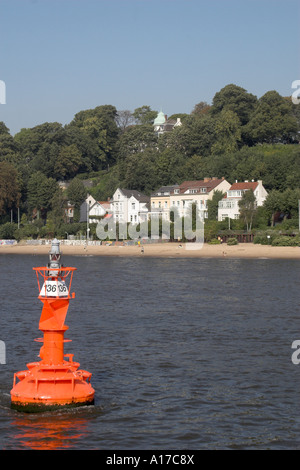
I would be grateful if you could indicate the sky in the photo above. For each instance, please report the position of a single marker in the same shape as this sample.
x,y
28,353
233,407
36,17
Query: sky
x,y
59,57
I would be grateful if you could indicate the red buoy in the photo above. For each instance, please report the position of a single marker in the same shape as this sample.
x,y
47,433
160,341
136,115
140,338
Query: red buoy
x,y
53,382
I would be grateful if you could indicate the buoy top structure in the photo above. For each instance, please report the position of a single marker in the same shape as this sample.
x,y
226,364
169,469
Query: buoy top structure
x,y
53,382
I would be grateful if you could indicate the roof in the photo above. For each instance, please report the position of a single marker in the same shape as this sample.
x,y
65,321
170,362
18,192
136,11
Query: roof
x,y
246,185
160,119
164,189
209,184
137,194
104,203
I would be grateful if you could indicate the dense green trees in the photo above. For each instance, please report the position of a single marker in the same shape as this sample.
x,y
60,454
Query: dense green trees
x,y
238,136
9,187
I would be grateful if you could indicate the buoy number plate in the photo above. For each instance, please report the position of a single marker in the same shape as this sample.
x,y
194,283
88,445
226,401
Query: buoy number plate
x,y
54,289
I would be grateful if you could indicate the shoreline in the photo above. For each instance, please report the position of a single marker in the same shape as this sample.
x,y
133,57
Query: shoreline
x,y
163,250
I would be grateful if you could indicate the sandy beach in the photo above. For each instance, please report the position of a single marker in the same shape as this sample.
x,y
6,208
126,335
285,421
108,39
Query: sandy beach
x,y
167,250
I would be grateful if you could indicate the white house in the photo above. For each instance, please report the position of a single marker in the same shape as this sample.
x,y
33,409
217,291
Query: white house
x,y
94,209
229,205
198,192
163,124
129,205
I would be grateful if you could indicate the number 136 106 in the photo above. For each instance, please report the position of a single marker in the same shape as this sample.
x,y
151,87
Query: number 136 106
x,y
54,289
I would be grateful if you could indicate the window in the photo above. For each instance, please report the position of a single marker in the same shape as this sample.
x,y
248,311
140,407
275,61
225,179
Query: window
x,y
133,205
176,191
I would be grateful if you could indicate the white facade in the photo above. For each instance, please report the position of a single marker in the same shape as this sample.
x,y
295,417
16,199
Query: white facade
x,y
129,206
229,205
198,192
94,209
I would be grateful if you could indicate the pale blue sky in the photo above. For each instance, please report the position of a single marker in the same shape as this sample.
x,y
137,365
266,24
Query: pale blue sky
x,y
62,56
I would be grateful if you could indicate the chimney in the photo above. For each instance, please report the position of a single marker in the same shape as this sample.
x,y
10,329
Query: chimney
x,y
206,179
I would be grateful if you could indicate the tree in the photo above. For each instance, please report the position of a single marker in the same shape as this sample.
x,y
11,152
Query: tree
x,y
40,192
99,125
58,203
124,119
201,109
8,147
195,136
247,206
272,121
9,187
144,115
76,192
227,132
236,99
141,171
213,203
273,204
68,162
39,147
136,139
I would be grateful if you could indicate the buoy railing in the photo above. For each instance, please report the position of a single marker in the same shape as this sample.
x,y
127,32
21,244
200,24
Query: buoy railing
x,y
55,282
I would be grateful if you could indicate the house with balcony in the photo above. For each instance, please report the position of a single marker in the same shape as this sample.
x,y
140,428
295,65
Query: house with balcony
x,y
129,205
229,205
198,192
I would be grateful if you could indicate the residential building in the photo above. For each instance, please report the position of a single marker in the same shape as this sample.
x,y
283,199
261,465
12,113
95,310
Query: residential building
x,y
94,209
163,124
160,202
229,205
129,205
198,192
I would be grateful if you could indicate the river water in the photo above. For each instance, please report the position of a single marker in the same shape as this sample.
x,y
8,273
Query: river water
x,y
185,353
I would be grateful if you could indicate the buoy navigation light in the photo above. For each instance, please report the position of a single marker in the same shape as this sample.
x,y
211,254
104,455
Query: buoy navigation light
x,y
56,380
